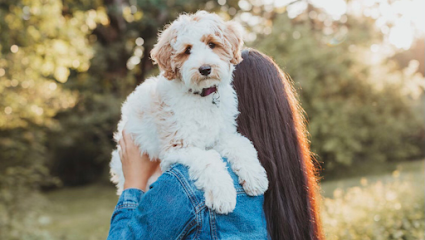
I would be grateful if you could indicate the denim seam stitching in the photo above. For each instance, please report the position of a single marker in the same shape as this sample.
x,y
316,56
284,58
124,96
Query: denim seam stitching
x,y
187,228
185,186
212,224
199,220
200,207
197,226
189,193
240,192
127,205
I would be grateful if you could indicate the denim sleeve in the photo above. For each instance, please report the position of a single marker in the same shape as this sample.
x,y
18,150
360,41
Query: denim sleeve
x,y
127,203
163,212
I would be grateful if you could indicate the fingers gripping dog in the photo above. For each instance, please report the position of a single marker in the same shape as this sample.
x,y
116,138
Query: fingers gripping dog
x,y
188,113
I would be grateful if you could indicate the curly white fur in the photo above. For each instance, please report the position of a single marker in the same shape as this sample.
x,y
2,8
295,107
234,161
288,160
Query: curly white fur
x,y
170,122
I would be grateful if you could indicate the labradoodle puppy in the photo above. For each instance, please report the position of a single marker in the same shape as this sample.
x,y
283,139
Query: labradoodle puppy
x,y
187,114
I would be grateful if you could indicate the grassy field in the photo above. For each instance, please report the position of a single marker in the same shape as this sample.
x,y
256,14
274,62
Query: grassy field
x,y
81,213
386,206
388,172
84,213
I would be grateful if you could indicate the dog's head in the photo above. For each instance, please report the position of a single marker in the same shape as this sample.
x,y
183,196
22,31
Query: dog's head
x,y
199,49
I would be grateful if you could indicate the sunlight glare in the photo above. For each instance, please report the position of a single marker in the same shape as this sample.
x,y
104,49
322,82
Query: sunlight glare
x,y
282,3
336,8
406,17
296,9
401,35
417,14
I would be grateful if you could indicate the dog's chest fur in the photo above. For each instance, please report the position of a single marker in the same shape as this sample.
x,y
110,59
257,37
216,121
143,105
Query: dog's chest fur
x,y
189,119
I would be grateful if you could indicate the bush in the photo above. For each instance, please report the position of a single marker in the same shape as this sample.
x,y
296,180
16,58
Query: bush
x,y
379,211
22,173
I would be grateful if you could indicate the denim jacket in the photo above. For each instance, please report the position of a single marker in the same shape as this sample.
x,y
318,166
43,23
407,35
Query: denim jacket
x,y
174,208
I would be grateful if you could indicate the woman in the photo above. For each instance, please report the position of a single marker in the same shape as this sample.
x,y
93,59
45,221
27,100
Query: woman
x,y
173,208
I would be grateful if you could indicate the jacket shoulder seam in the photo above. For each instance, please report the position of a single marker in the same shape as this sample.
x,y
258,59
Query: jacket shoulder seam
x,y
187,188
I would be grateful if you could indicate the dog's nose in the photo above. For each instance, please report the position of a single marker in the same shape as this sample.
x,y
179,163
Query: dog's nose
x,y
205,70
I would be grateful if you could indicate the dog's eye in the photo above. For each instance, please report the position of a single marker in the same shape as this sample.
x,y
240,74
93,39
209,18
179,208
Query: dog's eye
x,y
211,45
187,51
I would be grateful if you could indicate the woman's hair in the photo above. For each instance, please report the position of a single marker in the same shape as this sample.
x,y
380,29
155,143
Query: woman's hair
x,y
272,118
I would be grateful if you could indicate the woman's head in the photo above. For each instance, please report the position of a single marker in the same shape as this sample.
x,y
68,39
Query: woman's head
x,y
271,117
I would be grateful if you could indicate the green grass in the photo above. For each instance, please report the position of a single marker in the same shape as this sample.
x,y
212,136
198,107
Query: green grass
x,y
406,171
85,212
81,212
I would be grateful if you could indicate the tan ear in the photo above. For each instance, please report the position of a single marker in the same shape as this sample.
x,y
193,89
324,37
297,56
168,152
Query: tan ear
x,y
234,34
162,52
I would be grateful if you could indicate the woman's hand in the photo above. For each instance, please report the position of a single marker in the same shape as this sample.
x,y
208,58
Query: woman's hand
x,y
137,168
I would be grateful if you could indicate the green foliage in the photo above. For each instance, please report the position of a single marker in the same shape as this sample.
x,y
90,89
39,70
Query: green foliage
x,y
36,55
86,147
354,114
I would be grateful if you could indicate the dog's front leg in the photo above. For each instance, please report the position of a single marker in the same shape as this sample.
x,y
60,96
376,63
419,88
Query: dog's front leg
x,y
210,174
244,161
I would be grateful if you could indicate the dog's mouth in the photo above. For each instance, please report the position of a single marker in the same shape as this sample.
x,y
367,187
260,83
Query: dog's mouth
x,y
207,91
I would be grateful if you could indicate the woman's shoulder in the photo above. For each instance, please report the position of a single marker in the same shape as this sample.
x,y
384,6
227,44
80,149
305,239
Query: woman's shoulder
x,y
179,173
238,224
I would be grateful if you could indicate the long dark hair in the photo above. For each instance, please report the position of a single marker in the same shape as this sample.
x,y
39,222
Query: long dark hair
x,y
272,118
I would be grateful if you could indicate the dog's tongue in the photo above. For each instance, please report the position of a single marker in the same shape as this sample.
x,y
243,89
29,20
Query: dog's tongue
x,y
208,91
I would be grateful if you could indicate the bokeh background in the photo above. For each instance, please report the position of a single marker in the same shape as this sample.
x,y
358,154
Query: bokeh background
x,y
67,65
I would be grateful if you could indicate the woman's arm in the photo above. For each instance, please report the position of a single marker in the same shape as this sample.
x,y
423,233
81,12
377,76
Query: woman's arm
x,y
164,212
127,204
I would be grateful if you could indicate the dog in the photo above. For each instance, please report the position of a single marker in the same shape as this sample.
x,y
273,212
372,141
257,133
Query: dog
x,y
188,113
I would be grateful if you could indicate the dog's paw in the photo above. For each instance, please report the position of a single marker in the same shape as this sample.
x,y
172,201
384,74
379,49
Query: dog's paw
x,y
254,181
222,200
217,184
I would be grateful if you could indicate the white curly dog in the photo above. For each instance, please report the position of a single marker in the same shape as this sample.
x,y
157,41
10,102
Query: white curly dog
x,y
188,113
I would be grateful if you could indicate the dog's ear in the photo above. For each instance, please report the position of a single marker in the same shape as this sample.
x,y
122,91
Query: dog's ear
x,y
162,52
234,34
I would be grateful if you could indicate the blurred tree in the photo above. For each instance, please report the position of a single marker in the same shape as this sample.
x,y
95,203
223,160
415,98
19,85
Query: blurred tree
x,y
36,57
355,112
